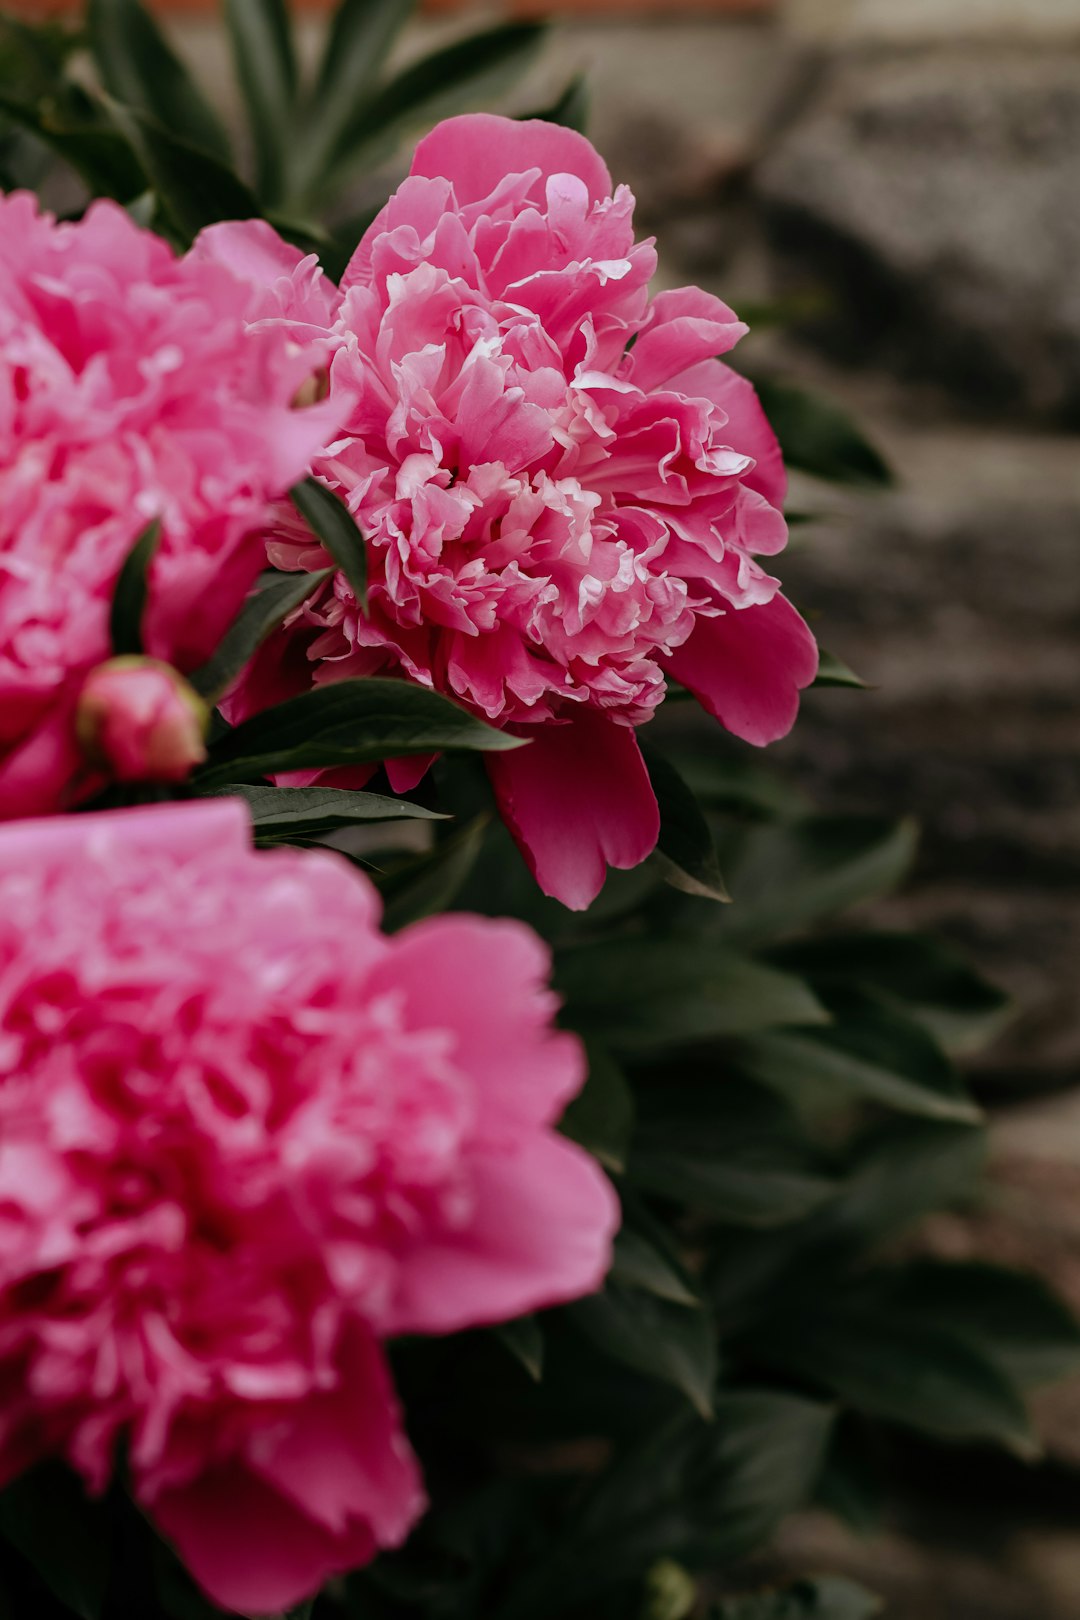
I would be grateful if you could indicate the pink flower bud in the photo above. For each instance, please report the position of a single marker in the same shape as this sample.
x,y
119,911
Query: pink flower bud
x,y
141,721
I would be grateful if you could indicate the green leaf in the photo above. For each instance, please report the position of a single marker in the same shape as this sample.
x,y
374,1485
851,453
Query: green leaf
x,y
193,187
787,876
431,882
673,1343
730,1150
902,1172
279,813
819,438
524,1339
338,531
832,671
890,1365
359,40
352,722
459,75
1013,1317
267,607
139,68
571,108
704,1494
601,1116
723,780
265,68
829,1598
129,596
640,1264
870,1051
100,156
937,986
644,994
46,1515
685,851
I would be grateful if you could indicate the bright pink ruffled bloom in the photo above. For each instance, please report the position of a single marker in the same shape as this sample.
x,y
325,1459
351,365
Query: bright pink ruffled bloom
x,y
561,489
130,388
235,1156
141,721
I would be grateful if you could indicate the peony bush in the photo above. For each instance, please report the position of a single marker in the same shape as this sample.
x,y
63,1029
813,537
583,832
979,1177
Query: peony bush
x,y
422,1195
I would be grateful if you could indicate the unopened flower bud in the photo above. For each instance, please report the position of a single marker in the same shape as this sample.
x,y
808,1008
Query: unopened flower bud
x,y
139,720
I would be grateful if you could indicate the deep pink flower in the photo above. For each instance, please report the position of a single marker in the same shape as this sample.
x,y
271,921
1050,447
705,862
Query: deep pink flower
x,y
561,489
141,721
130,388
244,1137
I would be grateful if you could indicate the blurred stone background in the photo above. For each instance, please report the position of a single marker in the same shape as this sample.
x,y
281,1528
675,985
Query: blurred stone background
x,y
906,174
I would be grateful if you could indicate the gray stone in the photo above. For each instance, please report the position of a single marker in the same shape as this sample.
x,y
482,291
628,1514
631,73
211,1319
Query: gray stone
x,y
937,192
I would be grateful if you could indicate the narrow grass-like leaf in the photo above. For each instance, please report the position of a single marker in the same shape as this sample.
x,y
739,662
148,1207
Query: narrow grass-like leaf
x,y
194,188
129,595
524,1340
139,68
280,813
358,42
337,530
265,67
100,156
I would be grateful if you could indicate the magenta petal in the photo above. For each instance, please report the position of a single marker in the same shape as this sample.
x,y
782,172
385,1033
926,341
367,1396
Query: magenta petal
x,y
686,326
314,1499
578,799
750,430
487,980
748,667
477,151
408,770
542,1225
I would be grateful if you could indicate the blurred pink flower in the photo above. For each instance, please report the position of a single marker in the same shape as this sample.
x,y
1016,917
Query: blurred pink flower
x,y
141,721
235,1156
561,488
130,388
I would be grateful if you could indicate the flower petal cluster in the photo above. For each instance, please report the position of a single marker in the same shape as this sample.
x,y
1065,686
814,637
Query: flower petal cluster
x,y
562,490
244,1138
132,387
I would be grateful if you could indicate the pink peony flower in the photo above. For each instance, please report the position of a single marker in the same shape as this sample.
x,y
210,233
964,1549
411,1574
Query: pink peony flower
x,y
130,388
235,1156
562,490
141,721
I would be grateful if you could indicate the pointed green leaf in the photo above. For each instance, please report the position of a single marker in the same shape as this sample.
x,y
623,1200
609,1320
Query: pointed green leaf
x,y
524,1340
278,814
601,1116
100,156
65,1537
832,671
672,1343
870,1050
819,438
459,75
685,851
266,608
431,882
358,42
338,531
265,68
129,596
193,187
352,722
637,1263
571,108
139,68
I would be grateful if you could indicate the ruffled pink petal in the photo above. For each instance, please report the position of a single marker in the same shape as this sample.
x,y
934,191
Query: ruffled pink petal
x,y
541,1230
685,326
477,151
312,1500
748,667
254,252
750,426
487,980
578,799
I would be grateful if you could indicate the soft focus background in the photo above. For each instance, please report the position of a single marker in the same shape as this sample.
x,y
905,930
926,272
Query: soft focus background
x,y
900,180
